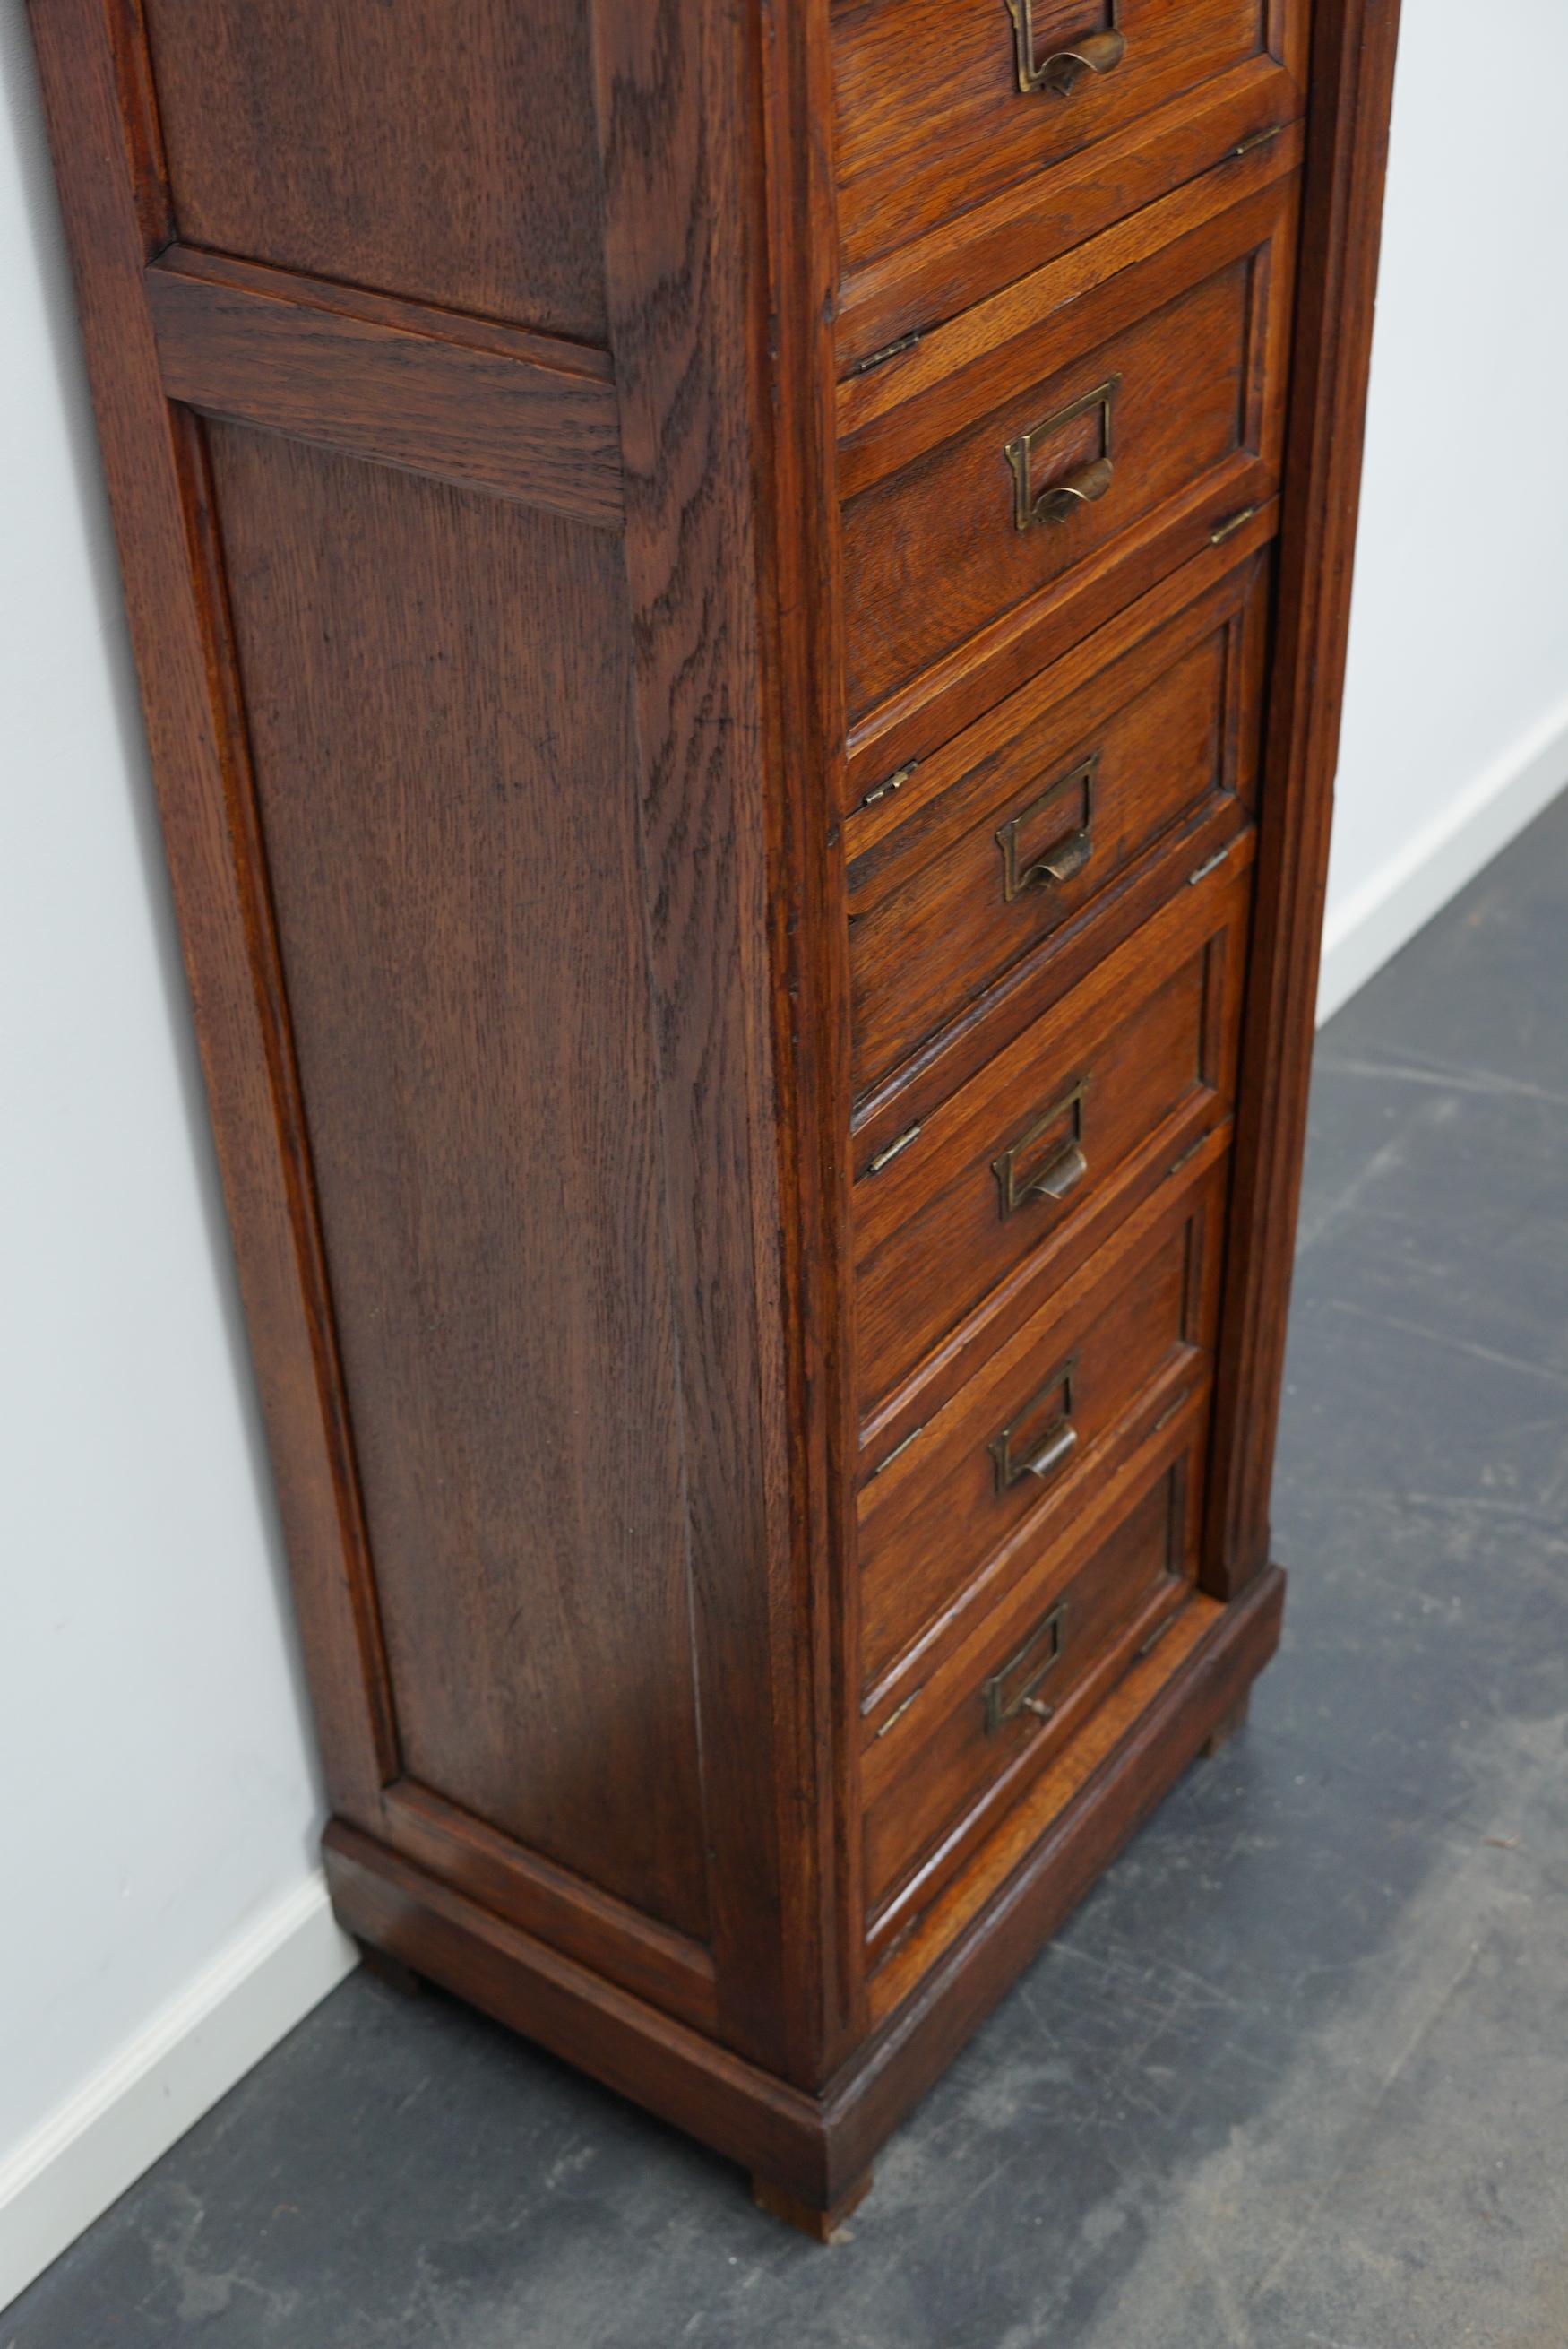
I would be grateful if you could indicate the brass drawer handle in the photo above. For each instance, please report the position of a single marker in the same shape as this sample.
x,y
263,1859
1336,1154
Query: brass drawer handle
x,y
1062,1171
1056,1445
1059,74
1054,1454
1058,501
1062,864
1014,1689
1062,499
1066,858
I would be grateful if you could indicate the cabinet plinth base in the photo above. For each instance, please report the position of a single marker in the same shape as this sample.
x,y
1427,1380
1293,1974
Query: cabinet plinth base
x,y
1220,1736
820,2225
810,2155
390,1971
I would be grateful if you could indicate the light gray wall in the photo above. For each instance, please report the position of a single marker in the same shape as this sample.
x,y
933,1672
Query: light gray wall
x,y
160,1792
1456,710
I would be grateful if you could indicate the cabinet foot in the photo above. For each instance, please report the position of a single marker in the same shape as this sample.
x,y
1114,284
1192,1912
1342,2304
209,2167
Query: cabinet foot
x,y
1226,1727
820,2225
391,1970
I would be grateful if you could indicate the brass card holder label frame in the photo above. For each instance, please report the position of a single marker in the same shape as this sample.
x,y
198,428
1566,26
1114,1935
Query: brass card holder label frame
x,y
1059,500
1066,859
1056,1445
1062,1172
1037,1656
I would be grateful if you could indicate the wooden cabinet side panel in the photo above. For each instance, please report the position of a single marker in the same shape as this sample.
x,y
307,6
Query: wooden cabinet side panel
x,y
678,93
803,672
441,149
593,842
437,690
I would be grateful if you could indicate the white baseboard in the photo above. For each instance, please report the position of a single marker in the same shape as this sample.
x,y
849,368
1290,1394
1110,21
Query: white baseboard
x,y
1385,912
84,2157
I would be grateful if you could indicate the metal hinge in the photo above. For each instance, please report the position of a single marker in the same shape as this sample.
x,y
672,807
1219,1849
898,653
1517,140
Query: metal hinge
x,y
1228,527
894,782
1210,864
898,1712
888,351
893,1454
885,1157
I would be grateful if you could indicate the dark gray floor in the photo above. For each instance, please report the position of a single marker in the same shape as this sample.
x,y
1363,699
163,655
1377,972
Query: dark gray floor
x,y
1295,2077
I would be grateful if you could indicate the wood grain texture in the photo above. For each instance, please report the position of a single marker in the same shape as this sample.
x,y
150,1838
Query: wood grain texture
x,y
1115,1351
803,682
942,1775
1029,987
949,517
438,695
1048,616
1211,135
1031,1872
1104,779
681,203
1196,351
504,411
1150,1038
1352,74
1175,1391
552,1903
439,149
1061,305
897,182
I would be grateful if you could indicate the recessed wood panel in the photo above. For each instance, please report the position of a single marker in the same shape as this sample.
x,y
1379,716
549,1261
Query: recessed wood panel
x,y
437,690
936,551
948,1513
893,58
1033,816
1023,474
994,1711
438,147
1003,1185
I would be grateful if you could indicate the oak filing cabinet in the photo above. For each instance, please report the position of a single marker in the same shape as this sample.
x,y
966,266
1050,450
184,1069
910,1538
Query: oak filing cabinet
x,y
742,609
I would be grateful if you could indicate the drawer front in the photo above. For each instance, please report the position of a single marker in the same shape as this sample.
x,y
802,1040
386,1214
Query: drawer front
x,y
1010,1458
1051,464
1001,1705
1017,1176
943,105
1032,815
